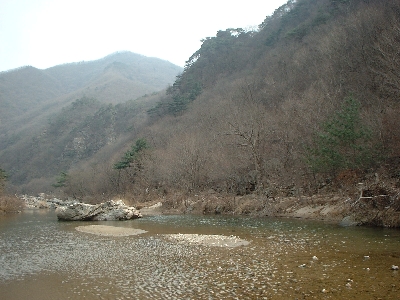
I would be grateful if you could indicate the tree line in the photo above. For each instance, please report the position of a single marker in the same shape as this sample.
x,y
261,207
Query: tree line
x,y
290,109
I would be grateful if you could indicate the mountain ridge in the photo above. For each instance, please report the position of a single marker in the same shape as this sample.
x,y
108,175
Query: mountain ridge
x,y
32,99
23,88
27,89
252,112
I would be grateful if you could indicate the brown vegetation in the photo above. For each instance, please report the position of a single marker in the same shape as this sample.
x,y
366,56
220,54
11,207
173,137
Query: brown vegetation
x,y
264,96
10,204
258,124
63,114
241,118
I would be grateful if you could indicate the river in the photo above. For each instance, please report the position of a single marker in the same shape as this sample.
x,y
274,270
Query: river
x,y
42,258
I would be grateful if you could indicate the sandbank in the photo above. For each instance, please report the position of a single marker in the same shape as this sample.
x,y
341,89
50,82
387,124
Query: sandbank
x,y
208,240
109,230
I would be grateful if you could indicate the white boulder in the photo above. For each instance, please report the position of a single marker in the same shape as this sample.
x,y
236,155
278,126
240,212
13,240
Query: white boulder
x,y
107,211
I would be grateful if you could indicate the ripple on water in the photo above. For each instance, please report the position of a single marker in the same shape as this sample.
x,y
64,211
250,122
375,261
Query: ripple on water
x,y
154,266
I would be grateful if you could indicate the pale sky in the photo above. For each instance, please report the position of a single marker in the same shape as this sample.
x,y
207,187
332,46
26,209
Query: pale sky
x,y
45,33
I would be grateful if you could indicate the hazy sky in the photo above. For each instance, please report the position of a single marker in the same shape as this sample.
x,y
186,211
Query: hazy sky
x,y
45,33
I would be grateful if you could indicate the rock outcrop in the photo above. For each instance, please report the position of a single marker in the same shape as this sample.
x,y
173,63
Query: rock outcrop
x,y
107,211
42,201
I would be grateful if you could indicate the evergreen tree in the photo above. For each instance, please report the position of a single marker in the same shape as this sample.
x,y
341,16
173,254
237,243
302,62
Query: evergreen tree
x,y
343,143
131,155
61,180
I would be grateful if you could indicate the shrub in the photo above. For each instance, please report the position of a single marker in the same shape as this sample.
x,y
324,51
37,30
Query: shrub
x,y
10,204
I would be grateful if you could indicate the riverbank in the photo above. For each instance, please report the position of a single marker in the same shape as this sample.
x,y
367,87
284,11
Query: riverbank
x,y
376,205
373,205
11,204
330,208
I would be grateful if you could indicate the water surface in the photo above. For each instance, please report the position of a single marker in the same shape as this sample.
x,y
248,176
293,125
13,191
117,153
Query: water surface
x,y
41,258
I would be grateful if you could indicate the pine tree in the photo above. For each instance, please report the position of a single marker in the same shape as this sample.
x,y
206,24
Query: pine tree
x,y
61,180
131,155
343,143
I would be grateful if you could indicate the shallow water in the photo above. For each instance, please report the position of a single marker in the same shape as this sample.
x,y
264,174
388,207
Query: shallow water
x,y
41,258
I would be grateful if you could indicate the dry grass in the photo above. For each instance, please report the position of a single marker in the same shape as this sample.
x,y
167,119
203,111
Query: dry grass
x,y
10,204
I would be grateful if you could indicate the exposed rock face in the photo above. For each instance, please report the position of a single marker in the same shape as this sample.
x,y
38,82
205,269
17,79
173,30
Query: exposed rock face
x,y
107,211
43,202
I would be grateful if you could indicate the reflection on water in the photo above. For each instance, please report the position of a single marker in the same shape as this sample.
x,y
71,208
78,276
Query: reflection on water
x,y
41,258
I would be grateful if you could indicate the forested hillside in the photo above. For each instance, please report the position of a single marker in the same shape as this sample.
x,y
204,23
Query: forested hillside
x,y
307,103
117,78
54,118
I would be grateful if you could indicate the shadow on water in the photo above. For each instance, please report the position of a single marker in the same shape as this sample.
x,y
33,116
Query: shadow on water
x,y
41,258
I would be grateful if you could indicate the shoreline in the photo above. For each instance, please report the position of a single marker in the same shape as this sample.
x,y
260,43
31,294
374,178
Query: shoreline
x,y
312,208
376,211
377,206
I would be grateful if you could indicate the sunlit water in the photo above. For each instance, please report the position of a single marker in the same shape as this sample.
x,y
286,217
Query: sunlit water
x,y
41,258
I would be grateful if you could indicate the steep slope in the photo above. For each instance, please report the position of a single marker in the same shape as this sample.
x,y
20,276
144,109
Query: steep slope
x,y
132,75
35,155
32,99
24,89
251,112
120,82
305,104
154,72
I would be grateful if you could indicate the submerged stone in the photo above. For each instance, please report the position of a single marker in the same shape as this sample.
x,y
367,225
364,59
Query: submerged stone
x,y
349,221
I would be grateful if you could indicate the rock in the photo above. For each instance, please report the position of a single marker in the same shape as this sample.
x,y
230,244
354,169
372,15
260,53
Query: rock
x,y
152,210
218,210
43,202
107,211
349,221
157,205
395,268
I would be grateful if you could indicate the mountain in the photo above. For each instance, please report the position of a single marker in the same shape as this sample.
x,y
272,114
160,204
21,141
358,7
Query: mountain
x,y
131,74
116,78
308,103
31,100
